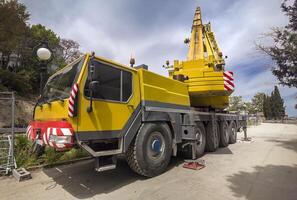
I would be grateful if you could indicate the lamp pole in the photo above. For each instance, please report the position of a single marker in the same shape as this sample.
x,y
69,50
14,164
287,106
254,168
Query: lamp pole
x,y
44,55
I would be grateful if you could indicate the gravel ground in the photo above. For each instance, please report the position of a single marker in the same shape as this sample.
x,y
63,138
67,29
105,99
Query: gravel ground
x,y
265,168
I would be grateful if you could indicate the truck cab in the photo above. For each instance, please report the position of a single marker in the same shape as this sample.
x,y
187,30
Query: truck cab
x,y
65,103
101,105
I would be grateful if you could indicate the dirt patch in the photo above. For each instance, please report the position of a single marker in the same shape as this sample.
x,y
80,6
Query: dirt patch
x,y
23,111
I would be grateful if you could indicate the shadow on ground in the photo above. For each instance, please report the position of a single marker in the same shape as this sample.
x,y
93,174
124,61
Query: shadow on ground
x,y
285,143
81,180
224,150
268,182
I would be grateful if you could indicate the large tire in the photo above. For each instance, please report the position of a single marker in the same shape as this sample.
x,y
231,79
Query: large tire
x,y
232,132
200,145
150,152
212,137
224,134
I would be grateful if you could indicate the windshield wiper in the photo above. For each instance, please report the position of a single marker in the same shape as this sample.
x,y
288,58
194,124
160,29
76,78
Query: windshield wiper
x,y
40,102
60,99
56,99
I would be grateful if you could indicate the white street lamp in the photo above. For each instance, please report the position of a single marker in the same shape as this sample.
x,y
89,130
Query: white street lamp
x,y
44,54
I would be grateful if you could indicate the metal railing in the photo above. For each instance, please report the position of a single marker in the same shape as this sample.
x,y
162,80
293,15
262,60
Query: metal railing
x,y
16,130
7,160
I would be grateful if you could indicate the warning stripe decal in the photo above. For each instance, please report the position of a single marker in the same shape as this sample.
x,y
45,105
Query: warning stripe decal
x,y
228,81
71,106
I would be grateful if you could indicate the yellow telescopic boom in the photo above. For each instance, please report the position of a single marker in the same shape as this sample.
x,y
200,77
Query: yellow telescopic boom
x,y
196,50
208,82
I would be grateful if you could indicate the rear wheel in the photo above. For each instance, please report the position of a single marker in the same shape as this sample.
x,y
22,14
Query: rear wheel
x,y
224,134
150,152
232,132
199,144
212,137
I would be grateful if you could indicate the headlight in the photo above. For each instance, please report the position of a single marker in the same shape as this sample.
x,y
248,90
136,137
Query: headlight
x,y
66,139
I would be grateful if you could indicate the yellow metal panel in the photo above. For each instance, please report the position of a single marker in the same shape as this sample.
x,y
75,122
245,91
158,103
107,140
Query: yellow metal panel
x,y
56,110
161,89
216,101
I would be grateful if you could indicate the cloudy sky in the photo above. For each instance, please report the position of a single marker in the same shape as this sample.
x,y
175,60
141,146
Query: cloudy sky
x,y
153,31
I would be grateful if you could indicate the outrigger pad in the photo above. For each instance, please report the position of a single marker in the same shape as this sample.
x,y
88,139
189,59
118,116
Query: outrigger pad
x,y
195,165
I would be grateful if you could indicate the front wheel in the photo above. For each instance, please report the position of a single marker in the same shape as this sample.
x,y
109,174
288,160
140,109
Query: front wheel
x,y
150,152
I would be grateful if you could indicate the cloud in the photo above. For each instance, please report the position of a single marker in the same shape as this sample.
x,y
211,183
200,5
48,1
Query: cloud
x,y
154,32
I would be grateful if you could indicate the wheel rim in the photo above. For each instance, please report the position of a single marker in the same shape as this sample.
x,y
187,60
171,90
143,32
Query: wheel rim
x,y
156,146
199,139
225,129
218,134
233,131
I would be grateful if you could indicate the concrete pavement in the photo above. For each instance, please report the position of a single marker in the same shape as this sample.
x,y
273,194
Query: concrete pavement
x,y
263,169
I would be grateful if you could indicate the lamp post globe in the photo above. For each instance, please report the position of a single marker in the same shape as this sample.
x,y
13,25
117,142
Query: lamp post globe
x,y
44,54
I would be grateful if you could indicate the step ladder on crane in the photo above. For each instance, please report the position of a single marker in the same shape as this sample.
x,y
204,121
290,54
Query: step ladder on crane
x,y
7,161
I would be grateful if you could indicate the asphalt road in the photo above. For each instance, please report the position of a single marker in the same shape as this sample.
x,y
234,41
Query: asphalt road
x,y
263,169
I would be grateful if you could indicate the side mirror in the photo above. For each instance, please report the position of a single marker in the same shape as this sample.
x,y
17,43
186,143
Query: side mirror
x,y
92,87
91,67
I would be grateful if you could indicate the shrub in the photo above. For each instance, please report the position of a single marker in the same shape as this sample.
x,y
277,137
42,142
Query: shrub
x,y
15,81
22,152
24,156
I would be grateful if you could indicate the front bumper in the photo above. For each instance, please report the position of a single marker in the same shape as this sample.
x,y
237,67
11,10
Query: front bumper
x,y
57,134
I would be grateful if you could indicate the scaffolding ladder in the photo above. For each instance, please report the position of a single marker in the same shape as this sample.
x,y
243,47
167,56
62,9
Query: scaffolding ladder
x,y
7,159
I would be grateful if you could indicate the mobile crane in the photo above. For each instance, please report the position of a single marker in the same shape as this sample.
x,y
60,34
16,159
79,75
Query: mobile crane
x,y
109,109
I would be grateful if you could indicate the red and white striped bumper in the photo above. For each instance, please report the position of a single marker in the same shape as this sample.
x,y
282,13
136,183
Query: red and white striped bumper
x,y
57,134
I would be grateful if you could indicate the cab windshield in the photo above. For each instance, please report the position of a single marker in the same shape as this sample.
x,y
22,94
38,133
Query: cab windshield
x,y
59,85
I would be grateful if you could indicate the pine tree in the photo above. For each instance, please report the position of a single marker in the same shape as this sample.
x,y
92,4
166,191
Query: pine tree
x,y
277,104
264,106
272,105
267,107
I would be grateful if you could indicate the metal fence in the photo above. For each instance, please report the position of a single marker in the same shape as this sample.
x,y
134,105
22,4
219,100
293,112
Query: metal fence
x,y
7,160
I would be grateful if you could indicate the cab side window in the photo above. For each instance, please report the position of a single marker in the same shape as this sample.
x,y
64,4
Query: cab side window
x,y
114,84
127,85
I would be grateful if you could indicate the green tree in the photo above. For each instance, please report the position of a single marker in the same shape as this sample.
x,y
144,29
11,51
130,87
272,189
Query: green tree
x,y
235,103
13,18
273,106
257,102
277,104
30,64
284,49
265,110
19,38
249,107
